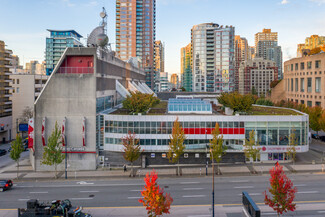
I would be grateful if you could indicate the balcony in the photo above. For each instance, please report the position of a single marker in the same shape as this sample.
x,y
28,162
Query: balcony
x,y
76,70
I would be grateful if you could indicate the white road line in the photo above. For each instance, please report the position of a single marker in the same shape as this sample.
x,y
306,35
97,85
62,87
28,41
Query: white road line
x,y
69,186
199,216
252,194
89,191
135,190
236,181
321,211
23,199
188,189
300,185
307,192
134,197
244,187
86,198
269,213
40,192
194,195
190,182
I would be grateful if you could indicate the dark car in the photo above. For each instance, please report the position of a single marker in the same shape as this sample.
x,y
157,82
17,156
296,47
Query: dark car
x,y
2,152
5,185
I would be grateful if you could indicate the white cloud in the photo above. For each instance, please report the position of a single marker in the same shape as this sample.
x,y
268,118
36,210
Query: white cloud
x,y
284,2
318,1
92,3
68,3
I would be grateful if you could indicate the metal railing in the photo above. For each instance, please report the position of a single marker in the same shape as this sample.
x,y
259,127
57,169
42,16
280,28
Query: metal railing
x,y
76,70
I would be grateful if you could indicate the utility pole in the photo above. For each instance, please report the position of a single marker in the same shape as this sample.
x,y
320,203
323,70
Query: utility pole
x,y
212,183
66,161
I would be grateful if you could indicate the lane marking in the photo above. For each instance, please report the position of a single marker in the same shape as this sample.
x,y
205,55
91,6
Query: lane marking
x,y
321,211
135,190
135,197
307,192
236,181
300,185
89,191
86,198
190,182
269,213
188,189
23,199
194,196
83,185
40,192
244,187
252,194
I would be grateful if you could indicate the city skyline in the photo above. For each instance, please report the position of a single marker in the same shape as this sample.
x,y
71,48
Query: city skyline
x,y
25,33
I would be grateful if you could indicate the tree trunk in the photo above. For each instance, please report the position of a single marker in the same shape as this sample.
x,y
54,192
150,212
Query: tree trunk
x,y
132,174
56,175
17,168
218,167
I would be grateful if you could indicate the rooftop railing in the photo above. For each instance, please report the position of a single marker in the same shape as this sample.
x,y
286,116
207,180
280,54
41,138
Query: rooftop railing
x,y
76,70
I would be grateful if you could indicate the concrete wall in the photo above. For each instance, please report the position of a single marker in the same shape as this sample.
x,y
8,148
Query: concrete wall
x,y
70,96
5,134
278,93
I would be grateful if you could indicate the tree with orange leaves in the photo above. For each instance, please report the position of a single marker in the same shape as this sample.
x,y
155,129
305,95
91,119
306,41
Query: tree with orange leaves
x,y
154,200
282,191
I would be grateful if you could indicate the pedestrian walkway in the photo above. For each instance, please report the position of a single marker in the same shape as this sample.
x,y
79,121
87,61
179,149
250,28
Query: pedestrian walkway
x,y
26,172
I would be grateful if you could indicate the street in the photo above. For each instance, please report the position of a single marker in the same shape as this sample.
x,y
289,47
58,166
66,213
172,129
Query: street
x,y
5,160
192,192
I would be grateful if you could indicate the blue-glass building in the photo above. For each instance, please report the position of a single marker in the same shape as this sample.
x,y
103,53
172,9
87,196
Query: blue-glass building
x,y
56,44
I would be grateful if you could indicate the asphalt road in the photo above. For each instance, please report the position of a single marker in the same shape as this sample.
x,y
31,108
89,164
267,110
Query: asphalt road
x,y
185,191
5,160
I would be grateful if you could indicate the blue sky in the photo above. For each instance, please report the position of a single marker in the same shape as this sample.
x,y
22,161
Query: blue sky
x,y
24,23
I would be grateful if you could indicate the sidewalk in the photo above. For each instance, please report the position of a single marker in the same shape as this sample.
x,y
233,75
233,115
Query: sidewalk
x,y
26,172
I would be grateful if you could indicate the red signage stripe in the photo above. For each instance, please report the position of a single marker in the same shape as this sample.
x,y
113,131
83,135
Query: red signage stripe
x,y
79,152
209,130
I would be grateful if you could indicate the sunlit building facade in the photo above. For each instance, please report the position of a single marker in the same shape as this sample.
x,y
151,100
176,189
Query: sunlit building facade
x,y
135,33
312,42
186,67
174,81
242,54
213,58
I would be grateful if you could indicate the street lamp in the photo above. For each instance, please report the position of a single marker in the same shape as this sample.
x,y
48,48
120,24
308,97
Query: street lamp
x,y
212,183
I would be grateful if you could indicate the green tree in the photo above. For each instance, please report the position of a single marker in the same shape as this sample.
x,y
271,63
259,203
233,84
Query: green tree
x,y
132,149
293,142
52,154
139,102
254,92
315,114
217,149
176,144
251,147
16,150
183,89
236,101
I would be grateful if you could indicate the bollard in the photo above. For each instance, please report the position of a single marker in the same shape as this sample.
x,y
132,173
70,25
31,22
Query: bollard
x,y
75,174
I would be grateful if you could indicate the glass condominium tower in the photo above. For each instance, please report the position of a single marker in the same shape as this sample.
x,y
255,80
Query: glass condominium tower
x,y
213,58
136,32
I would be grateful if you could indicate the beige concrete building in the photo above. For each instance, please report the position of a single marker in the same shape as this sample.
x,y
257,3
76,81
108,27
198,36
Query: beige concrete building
x,y
304,78
257,73
241,55
26,88
312,42
174,81
5,93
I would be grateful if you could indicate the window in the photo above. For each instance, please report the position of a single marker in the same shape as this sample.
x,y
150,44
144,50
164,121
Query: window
x,y
17,83
291,67
17,87
309,103
296,85
317,85
309,65
302,66
318,104
309,85
296,66
317,64
302,84
291,84
13,81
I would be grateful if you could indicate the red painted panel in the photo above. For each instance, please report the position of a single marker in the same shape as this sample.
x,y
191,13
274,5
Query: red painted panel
x,y
236,131
209,130
242,131
230,131
77,65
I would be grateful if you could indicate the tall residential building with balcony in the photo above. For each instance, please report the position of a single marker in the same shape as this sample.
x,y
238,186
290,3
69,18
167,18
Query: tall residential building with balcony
x,y
136,32
186,67
58,41
242,54
312,42
304,78
174,81
266,45
258,74
213,58
159,56
26,89
5,93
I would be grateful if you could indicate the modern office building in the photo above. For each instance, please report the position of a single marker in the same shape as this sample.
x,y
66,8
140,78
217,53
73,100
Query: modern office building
x,y
136,32
174,81
242,54
304,78
213,58
86,82
163,82
266,45
159,56
58,41
34,67
26,89
5,93
258,74
312,42
186,67
198,118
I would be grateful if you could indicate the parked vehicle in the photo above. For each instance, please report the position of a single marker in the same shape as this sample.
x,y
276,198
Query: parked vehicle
x,y
56,208
315,136
5,185
2,152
